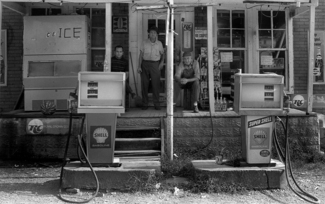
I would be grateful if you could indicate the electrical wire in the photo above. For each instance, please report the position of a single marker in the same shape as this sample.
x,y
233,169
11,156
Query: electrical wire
x,y
87,160
212,129
288,169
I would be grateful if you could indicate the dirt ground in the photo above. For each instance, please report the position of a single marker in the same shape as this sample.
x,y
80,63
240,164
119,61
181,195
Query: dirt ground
x,y
39,183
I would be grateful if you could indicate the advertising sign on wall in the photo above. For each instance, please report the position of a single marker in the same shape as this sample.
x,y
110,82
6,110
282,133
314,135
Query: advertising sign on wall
x,y
187,32
299,101
47,126
319,55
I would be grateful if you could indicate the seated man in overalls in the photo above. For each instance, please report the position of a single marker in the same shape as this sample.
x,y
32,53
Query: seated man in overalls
x,y
187,76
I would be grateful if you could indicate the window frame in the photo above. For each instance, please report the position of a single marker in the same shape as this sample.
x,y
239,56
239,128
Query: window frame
x,y
288,70
245,49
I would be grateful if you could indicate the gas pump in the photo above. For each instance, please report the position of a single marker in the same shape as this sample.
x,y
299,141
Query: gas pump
x,y
101,98
258,98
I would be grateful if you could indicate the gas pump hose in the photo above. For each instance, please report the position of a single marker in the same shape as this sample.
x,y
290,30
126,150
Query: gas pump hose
x,y
65,160
287,161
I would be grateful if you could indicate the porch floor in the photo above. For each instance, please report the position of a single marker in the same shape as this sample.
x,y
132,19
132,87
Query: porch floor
x,y
139,113
180,113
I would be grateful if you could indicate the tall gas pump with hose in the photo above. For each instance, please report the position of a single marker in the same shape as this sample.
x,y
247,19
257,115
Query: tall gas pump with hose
x,y
101,98
259,99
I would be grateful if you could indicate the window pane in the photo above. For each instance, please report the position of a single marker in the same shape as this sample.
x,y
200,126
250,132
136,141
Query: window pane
x,y
151,23
238,19
38,11
37,69
264,19
273,61
279,20
223,19
97,60
161,26
238,38
265,40
223,38
83,11
279,38
98,18
53,11
67,68
98,37
228,69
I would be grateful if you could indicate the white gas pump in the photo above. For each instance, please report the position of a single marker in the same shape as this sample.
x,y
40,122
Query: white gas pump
x,y
101,98
258,98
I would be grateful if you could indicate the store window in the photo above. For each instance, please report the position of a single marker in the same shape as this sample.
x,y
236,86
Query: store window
x,y
272,44
45,11
231,43
97,19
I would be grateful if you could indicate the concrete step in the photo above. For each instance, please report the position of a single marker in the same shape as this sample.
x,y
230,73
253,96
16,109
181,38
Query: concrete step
x,y
252,177
117,178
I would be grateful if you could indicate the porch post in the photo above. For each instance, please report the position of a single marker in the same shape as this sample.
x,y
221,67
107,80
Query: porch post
x,y
1,27
210,58
311,62
108,34
170,81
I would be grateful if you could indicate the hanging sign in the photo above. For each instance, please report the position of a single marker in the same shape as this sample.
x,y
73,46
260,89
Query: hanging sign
x,y
201,33
187,32
226,56
319,53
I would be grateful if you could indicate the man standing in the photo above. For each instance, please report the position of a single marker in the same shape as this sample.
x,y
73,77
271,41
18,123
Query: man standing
x,y
151,61
187,76
119,64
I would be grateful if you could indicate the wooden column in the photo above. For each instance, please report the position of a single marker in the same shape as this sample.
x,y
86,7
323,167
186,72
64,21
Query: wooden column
x,y
1,4
210,58
170,82
311,60
108,34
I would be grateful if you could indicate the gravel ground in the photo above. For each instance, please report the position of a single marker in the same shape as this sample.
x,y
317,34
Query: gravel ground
x,y
39,183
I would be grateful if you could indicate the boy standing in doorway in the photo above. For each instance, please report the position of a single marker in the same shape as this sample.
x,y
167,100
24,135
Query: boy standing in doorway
x,y
119,64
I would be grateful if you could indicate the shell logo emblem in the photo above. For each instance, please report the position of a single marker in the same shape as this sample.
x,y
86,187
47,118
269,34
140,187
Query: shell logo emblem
x,y
35,126
259,136
100,135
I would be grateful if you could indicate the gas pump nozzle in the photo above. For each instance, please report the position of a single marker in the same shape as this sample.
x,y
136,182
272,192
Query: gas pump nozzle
x,y
73,102
286,99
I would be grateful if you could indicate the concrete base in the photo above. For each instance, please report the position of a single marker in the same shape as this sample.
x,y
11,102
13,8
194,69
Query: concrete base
x,y
247,177
118,178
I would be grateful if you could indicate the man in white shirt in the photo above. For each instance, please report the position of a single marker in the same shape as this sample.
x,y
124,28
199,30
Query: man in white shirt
x,y
151,61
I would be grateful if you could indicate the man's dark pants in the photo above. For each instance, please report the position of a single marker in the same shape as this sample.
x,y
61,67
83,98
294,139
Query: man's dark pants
x,y
150,70
193,86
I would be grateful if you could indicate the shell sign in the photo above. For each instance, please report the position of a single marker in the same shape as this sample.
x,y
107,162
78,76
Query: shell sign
x,y
100,137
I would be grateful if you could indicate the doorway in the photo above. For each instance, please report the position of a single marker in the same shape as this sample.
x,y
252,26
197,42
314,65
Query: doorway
x,y
159,20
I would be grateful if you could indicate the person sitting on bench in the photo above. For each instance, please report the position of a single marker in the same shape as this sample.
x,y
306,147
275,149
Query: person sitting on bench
x,y
187,76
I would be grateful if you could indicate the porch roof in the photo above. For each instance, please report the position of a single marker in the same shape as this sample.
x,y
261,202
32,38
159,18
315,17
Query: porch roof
x,y
198,2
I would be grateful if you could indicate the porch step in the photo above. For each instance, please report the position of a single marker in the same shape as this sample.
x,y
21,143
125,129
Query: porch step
x,y
136,139
136,128
138,142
